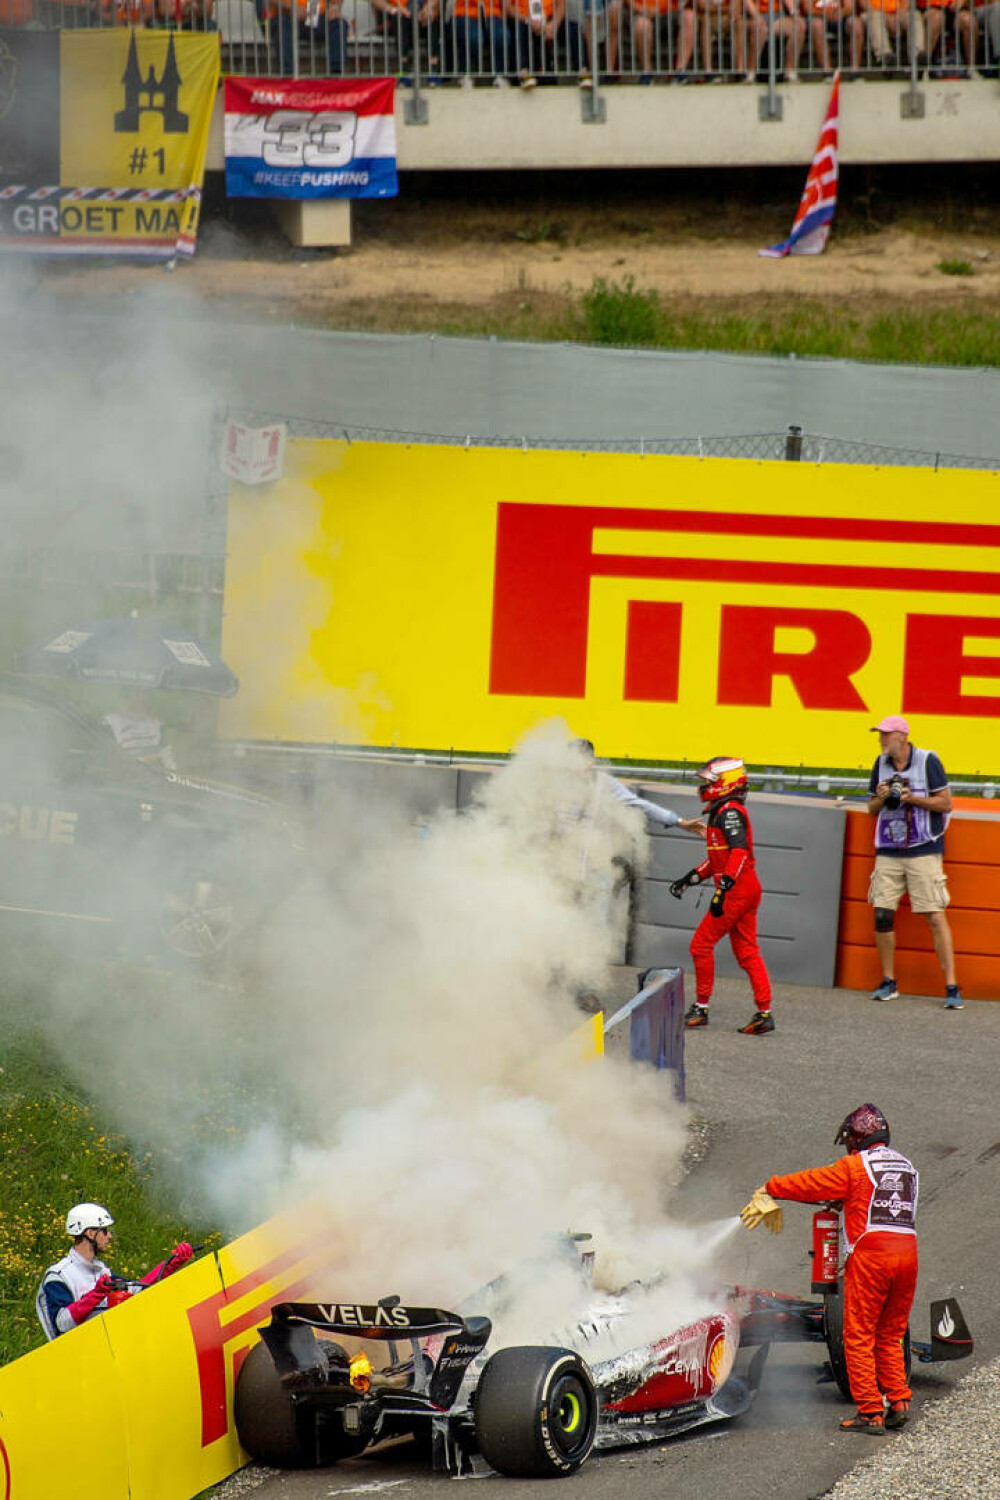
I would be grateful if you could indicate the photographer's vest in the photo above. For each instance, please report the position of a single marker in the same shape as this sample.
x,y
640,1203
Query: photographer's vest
x,y
895,1183
904,827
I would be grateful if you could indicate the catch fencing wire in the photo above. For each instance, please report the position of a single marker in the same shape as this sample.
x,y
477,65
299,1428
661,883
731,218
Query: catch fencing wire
x,y
792,445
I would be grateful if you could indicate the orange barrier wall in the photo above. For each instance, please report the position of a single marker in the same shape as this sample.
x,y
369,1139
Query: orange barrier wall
x,y
972,864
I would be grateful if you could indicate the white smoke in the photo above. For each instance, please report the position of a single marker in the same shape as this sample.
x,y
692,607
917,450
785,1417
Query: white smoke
x,y
403,1048
453,1127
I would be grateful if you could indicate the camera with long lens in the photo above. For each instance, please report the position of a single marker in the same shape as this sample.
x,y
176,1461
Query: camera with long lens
x,y
897,786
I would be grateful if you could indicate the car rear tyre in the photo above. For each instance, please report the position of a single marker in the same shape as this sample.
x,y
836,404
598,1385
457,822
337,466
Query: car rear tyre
x,y
267,1423
536,1412
833,1332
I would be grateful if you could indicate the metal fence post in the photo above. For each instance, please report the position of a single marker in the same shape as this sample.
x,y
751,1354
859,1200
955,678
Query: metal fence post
x,y
769,105
415,109
793,445
911,102
593,107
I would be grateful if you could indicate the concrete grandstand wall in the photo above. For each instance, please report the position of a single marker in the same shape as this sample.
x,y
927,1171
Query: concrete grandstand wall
x,y
692,127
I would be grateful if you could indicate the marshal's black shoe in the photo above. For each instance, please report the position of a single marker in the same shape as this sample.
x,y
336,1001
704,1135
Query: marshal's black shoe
x,y
871,1422
898,1414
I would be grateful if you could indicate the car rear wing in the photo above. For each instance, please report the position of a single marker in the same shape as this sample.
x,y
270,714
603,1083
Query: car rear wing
x,y
387,1319
300,1360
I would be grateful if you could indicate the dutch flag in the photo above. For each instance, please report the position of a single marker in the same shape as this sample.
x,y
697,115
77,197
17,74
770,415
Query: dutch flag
x,y
815,215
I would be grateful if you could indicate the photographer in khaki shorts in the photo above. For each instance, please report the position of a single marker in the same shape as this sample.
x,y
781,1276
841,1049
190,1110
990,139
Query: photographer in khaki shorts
x,y
910,798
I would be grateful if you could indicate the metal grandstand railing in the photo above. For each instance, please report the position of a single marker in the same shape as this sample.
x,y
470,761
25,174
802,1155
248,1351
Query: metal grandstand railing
x,y
586,42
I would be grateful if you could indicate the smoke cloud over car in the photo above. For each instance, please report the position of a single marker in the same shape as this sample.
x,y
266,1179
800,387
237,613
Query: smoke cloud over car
x,y
402,1045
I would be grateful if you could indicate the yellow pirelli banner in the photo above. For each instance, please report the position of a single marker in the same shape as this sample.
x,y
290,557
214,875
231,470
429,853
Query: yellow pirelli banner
x,y
103,137
138,1402
669,608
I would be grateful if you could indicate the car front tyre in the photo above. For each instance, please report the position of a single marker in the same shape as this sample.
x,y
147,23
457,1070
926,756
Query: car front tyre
x,y
536,1412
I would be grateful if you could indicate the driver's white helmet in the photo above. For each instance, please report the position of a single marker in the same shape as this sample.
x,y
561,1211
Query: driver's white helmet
x,y
84,1216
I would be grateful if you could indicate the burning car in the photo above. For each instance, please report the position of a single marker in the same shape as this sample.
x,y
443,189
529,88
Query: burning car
x,y
528,1411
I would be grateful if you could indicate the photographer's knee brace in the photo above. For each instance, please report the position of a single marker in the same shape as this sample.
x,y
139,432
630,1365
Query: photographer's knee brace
x,y
885,919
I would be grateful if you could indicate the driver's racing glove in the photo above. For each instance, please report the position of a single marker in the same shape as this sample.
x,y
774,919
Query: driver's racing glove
x,y
81,1309
718,901
762,1209
678,887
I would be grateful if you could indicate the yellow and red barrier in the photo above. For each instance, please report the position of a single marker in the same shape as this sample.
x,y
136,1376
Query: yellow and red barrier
x,y
145,1390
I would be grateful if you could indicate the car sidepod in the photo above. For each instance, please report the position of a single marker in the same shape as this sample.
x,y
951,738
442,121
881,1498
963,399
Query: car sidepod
x,y
674,1384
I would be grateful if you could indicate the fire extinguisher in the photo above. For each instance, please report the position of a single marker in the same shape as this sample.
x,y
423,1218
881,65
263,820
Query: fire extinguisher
x,y
825,1250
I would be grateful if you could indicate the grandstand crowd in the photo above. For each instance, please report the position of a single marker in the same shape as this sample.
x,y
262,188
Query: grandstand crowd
x,y
507,43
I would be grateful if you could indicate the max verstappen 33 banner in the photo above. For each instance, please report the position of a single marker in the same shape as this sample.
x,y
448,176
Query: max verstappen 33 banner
x,y
435,597
310,138
102,140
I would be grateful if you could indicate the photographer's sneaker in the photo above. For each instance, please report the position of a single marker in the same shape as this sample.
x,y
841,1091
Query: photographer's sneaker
x,y
886,991
953,998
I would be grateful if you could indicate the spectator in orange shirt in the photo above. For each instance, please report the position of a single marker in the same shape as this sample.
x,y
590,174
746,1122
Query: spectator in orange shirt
x,y
888,21
834,22
721,19
538,28
479,39
949,21
657,26
187,15
789,32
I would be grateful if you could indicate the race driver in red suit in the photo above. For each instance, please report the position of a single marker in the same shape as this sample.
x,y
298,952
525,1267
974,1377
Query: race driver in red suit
x,y
733,907
877,1188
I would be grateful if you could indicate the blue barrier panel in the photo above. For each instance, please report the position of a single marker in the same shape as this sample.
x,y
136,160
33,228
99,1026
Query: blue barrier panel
x,y
656,1023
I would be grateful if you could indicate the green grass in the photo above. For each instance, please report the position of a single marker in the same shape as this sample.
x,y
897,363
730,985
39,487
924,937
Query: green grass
x,y
955,267
610,313
57,1150
623,314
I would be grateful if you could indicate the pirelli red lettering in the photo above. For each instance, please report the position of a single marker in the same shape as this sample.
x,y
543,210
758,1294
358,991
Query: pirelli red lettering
x,y
546,561
213,1335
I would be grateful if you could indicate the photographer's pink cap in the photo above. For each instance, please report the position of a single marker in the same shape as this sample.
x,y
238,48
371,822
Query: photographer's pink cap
x,y
891,722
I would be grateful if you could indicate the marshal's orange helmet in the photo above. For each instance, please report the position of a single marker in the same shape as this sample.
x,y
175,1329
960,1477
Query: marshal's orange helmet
x,y
722,777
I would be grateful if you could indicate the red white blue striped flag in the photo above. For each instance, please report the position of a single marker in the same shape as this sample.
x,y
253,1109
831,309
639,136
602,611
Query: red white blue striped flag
x,y
816,210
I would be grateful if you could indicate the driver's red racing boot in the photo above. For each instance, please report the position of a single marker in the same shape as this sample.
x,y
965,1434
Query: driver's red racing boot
x,y
761,1023
898,1414
696,1015
871,1422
